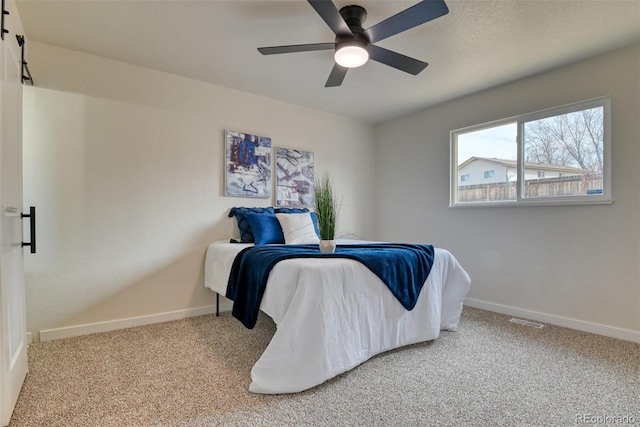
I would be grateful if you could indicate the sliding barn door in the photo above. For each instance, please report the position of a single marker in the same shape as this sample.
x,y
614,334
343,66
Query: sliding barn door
x,y
13,333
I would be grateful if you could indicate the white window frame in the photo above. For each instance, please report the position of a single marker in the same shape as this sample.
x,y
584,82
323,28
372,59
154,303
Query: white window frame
x,y
604,198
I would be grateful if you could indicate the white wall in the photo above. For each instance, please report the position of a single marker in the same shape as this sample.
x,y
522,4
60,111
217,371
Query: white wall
x,y
573,265
125,167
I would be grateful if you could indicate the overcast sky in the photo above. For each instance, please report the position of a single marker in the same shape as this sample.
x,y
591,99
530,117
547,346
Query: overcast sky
x,y
498,142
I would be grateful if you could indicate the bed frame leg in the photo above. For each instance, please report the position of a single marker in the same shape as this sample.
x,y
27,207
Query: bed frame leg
x,y
217,305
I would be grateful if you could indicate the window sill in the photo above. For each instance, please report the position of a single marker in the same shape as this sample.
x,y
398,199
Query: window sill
x,y
522,203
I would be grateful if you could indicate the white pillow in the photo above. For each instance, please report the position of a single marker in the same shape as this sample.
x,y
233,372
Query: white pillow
x,y
297,228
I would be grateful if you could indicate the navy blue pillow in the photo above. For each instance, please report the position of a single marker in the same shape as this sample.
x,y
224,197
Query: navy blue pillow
x,y
246,235
314,218
292,210
266,228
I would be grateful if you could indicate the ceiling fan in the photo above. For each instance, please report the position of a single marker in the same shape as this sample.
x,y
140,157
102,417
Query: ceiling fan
x,y
354,45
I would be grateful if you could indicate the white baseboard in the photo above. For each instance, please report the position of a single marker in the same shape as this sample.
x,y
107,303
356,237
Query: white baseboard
x,y
29,338
225,305
111,325
580,325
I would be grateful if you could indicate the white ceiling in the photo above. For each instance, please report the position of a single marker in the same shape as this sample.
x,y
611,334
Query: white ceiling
x,y
479,44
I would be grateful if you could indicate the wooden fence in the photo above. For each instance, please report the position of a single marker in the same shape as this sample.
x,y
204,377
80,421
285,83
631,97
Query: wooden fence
x,y
563,186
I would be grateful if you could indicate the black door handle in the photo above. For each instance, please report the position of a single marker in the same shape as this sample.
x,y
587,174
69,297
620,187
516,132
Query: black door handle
x,y
32,226
2,13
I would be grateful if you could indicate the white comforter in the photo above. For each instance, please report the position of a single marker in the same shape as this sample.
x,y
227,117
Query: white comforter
x,y
334,314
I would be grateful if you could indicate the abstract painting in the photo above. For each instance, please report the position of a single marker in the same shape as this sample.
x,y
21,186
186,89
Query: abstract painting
x,y
248,165
294,177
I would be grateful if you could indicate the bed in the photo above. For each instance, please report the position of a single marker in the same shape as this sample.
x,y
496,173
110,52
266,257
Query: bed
x,y
334,314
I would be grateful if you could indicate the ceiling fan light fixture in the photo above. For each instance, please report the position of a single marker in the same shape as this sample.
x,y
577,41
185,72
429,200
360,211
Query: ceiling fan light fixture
x,y
352,43
351,54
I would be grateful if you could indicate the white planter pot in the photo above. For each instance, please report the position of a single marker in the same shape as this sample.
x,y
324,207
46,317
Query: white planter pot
x,y
327,246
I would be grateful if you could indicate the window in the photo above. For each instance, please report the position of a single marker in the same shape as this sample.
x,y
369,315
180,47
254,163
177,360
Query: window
x,y
555,156
478,149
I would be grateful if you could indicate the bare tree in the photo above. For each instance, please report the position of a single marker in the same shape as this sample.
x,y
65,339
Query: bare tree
x,y
573,139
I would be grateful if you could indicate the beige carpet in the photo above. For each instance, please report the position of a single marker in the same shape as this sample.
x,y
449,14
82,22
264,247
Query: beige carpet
x,y
196,372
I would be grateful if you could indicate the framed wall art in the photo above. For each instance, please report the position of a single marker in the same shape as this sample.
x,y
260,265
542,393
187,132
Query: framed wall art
x,y
294,177
247,165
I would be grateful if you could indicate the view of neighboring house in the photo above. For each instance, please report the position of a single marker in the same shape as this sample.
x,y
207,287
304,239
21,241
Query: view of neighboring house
x,y
482,170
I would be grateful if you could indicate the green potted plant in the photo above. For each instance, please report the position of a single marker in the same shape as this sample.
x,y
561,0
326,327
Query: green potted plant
x,y
326,206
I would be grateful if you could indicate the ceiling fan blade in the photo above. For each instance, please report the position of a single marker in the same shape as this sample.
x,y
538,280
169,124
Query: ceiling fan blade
x,y
417,14
396,60
330,14
337,76
272,50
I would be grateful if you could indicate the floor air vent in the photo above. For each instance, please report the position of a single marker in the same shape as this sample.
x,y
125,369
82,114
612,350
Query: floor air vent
x,y
527,323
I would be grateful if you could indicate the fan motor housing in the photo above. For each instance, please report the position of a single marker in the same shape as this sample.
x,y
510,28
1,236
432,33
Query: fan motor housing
x,y
354,16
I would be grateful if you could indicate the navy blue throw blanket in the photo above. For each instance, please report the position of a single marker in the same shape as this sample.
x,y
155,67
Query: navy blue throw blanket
x,y
403,267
